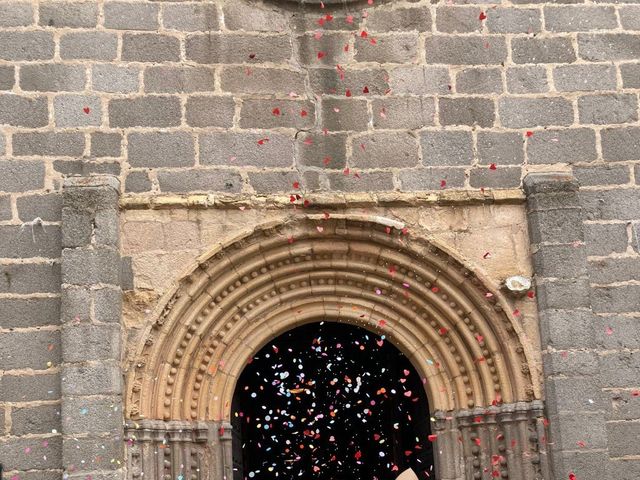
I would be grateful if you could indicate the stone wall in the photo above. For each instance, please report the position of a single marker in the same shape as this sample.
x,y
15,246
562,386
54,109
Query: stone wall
x,y
250,98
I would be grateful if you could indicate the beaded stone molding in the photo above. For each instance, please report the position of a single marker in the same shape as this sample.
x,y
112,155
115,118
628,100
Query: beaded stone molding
x,y
363,270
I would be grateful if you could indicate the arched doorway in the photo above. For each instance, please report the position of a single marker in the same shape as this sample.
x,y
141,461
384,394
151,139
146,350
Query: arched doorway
x,y
457,330
330,401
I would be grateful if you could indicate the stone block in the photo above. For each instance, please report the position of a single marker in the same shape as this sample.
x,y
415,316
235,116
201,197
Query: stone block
x,y
622,468
424,179
16,14
612,270
150,47
274,182
137,182
54,144
560,261
607,47
34,420
197,180
178,79
5,207
30,46
147,111
516,112
383,150
327,50
90,266
472,111
246,149
190,17
623,405
47,207
406,19
542,50
103,378
36,241
447,148
501,148
83,342
377,80
529,79
574,365
365,182
630,73
586,77
68,14
618,333
161,149
77,111
94,453
29,388
606,238
106,144
256,18
21,176
18,111
52,77
584,463
562,225
619,299
339,114
92,415
458,19
89,46
131,16
619,144
463,50
580,427
43,454
513,20
75,304
107,305
630,17
114,78
579,18
563,294
29,312
403,112
501,177
7,77
610,204
567,329
392,48
608,108
619,369
479,80
569,394
222,48
601,175
562,146
206,111
324,151
256,113
37,350
237,79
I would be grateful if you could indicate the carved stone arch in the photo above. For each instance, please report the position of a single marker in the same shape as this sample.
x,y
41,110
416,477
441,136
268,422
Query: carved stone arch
x,y
456,330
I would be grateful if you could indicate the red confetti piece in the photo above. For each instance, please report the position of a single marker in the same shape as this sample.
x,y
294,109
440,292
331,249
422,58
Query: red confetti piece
x,y
349,19
347,93
572,476
382,323
86,110
432,438
364,34
326,161
442,331
492,166
346,47
306,203
296,185
358,455
346,171
531,294
365,89
435,289
529,134
516,313
609,331
477,441
262,141
635,393
303,113
443,183
482,16
276,111
328,17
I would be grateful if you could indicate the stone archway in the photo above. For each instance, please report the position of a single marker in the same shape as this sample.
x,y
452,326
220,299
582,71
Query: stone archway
x,y
484,395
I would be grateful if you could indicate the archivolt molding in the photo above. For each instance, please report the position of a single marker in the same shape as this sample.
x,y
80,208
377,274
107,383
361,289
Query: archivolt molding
x,y
363,271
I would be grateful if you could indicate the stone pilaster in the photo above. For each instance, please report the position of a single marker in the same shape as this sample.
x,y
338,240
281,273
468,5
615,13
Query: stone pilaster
x,y
92,420
575,405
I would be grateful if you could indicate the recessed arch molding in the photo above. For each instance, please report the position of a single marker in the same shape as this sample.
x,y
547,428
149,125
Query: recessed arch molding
x,y
483,390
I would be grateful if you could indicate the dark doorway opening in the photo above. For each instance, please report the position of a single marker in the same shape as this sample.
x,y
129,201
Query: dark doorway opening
x,y
330,401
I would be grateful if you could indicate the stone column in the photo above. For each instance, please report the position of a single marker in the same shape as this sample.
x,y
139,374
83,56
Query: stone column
x,y
574,400
92,419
